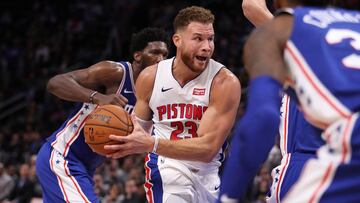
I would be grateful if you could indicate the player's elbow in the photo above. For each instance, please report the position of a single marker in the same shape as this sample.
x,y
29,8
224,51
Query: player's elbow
x,y
55,83
208,158
209,154
52,84
58,82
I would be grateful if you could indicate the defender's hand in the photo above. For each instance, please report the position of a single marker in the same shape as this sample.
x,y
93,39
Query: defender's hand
x,y
114,99
139,141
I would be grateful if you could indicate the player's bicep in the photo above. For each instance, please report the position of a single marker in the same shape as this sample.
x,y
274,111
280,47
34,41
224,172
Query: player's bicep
x,y
144,85
104,73
142,110
219,118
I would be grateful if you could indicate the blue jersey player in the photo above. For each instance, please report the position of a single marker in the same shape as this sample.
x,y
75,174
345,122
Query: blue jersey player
x,y
65,163
299,140
318,50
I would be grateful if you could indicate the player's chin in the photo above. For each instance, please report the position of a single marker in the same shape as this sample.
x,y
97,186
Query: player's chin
x,y
200,65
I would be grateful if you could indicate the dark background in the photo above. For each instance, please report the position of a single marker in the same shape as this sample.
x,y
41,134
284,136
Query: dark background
x,y
39,39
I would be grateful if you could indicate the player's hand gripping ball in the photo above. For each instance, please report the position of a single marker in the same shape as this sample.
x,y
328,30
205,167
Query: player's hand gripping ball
x,y
104,121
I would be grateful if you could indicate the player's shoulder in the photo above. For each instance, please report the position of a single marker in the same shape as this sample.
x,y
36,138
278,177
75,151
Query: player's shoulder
x,y
110,68
225,88
225,78
148,74
145,82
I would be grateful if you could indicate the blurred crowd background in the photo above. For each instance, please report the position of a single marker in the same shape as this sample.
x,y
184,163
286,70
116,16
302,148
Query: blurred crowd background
x,y
40,38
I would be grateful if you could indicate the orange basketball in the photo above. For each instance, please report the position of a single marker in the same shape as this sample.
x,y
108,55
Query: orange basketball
x,y
104,121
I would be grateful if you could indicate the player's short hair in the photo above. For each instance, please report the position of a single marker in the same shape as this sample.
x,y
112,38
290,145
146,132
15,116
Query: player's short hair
x,y
141,39
192,14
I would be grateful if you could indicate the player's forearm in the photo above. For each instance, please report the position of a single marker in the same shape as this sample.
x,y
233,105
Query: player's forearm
x,y
253,138
64,87
194,149
256,13
236,177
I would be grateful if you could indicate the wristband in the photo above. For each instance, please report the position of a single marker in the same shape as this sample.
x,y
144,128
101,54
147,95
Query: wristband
x,y
91,98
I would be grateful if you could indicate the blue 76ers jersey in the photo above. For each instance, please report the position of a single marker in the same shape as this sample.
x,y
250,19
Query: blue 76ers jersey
x,y
325,67
296,134
69,138
323,55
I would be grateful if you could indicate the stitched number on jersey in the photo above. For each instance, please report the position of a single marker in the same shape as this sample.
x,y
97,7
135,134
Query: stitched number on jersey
x,y
335,36
189,125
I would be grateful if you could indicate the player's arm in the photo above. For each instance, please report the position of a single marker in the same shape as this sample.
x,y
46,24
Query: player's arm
x,y
142,113
255,132
215,126
256,12
139,140
79,85
144,87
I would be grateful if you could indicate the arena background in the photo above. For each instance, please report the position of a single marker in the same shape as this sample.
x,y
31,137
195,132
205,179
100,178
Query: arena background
x,y
39,39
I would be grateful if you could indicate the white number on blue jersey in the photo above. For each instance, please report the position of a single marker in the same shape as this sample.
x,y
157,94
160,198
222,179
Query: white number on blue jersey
x,y
335,36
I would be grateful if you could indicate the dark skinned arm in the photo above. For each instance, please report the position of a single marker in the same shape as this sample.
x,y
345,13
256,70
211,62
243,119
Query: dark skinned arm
x,y
78,85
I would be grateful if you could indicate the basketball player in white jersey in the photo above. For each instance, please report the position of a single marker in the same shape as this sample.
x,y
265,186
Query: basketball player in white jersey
x,y
192,101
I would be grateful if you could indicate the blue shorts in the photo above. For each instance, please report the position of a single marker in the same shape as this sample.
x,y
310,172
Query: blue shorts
x,y
286,174
334,176
63,179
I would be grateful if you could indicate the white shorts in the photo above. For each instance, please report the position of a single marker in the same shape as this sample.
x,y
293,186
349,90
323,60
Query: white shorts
x,y
166,177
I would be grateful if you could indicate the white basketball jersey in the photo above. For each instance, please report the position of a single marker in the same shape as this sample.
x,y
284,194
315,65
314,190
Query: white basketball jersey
x,y
178,110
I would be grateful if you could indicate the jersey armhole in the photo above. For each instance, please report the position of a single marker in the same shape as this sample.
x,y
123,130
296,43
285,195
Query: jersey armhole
x,y
118,91
153,94
212,80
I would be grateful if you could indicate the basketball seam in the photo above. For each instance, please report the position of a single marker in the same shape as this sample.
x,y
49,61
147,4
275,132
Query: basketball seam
x,y
127,129
117,116
99,143
94,124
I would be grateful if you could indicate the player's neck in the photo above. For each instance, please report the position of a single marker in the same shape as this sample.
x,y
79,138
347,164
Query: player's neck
x,y
182,73
136,69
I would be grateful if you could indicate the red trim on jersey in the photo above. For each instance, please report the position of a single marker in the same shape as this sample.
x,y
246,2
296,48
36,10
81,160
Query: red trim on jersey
x,y
277,193
58,177
67,146
286,123
312,82
344,143
72,179
324,179
67,125
148,184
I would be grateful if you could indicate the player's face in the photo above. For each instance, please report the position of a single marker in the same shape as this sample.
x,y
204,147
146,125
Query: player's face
x,y
196,45
153,53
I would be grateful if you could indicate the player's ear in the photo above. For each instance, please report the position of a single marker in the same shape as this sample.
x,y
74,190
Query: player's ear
x,y
137,56
176,39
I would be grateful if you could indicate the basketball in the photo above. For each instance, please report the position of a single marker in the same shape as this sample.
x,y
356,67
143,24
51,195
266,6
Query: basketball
x,y
104,121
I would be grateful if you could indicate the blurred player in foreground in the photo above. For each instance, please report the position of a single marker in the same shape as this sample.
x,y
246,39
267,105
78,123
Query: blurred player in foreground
x,y
65,164
316,50
299,140
192,101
